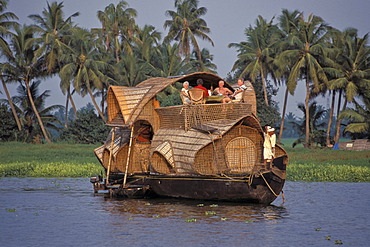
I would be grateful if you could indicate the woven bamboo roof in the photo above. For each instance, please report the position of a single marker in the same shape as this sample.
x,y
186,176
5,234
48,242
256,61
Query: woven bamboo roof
x,y
185,144
126,103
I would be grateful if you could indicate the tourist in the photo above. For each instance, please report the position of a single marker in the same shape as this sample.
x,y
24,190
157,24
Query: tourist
x,y
185,93
237,95
200,86
222,90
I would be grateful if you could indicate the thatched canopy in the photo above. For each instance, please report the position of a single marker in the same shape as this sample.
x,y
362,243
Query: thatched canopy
x,y
185,144
126,103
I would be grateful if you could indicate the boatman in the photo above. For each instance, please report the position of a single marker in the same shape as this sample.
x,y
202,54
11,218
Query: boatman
x,y
269,146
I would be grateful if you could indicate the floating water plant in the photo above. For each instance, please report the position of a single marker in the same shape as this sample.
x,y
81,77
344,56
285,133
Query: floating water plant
x,y
200,205
148,204
156,216
249,221
214,206
210,212
11,210
318,229
191,220
223,219
338,242
327,238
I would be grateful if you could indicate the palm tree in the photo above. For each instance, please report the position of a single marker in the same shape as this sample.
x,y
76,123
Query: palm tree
x,y
146,39
186,25
118,24
288,23
131,70
303,57
84,66
23,66
358,117
6,23
22,100
167,62
350,69
255,54
55,34
205,62
316,114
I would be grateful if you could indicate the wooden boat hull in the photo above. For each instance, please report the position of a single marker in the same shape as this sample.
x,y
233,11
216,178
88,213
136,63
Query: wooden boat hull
x,y
263,187
223,189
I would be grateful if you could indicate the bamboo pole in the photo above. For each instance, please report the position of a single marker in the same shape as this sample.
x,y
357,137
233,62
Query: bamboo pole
x,y
110,156
128,156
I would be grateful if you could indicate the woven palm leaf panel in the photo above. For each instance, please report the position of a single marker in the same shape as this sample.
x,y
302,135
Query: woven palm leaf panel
x,y
185,145
249,96
238,151
188,116
120,147
126,102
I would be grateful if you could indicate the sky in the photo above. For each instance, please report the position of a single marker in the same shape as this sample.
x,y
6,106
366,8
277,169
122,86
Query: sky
x,y
227,21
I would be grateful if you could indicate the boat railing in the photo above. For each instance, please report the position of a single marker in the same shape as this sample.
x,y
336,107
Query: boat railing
x,y
189,116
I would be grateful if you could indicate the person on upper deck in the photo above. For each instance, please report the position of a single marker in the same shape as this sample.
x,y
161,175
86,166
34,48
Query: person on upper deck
x,y
200,85
237,95
221,90
185,93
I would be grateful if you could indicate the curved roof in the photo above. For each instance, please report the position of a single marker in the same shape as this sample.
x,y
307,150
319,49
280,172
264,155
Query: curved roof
x,y
126,103
185,144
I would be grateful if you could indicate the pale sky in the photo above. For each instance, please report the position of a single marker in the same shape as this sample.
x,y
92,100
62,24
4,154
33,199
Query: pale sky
x,y
226,19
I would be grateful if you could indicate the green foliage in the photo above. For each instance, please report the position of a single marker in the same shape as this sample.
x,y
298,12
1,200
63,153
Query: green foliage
x,y
268,114
48,160
328,173
87,129
170,96
8,127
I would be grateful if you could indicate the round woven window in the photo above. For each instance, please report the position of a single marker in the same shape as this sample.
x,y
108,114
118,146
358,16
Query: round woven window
x,y
241,155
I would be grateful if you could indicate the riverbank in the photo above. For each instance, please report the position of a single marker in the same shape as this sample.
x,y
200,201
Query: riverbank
x,y
77,160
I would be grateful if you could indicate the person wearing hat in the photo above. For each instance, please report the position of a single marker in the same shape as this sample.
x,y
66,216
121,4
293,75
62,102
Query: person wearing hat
x,y
269,145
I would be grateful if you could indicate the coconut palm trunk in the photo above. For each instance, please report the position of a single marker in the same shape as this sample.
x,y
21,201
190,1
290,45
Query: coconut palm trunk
x,y
73,105
66,111
339,122
331,113
307,140
36,112
283,115
95,104
264,84
11,103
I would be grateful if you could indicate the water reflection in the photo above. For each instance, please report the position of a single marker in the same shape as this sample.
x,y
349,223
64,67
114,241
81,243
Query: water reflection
x,y
191,209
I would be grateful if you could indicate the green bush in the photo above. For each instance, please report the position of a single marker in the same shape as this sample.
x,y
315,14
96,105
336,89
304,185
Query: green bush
x,y
8,126
87,129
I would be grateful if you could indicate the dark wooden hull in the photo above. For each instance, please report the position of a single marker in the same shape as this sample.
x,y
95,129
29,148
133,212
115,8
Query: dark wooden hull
x,y
224,189
262,187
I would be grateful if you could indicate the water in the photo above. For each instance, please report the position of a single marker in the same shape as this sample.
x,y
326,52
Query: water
x,y
64,212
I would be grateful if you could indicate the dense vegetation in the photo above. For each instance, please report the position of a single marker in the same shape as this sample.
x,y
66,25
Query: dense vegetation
x,y
78,160
286,50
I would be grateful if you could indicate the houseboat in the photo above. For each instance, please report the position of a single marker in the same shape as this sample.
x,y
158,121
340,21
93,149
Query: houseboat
x,y
203,150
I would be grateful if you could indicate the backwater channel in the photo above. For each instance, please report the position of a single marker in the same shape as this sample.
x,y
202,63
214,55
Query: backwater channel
x,y
65,212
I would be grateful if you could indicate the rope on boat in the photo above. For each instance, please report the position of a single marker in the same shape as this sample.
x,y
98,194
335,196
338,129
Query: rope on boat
x,y
224,175
273,192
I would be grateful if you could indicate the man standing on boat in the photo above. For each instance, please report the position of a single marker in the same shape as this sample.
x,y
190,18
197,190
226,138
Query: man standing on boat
x,y
269,146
